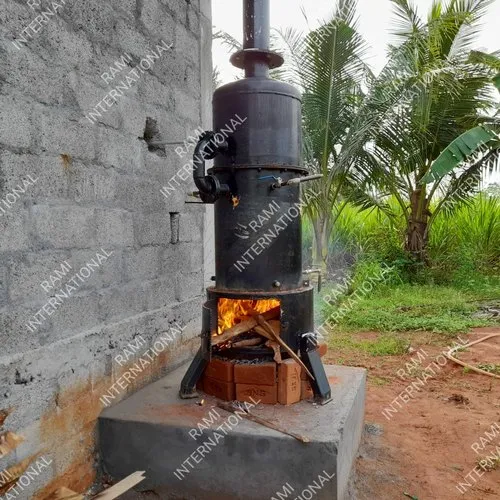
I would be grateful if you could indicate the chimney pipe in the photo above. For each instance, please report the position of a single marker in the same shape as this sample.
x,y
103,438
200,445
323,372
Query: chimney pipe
x,y
256,58
256,25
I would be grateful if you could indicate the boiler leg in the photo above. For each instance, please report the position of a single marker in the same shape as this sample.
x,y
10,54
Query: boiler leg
x,y
194,373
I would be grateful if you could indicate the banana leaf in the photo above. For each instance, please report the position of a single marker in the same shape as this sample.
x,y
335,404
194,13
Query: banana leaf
x,y
459,151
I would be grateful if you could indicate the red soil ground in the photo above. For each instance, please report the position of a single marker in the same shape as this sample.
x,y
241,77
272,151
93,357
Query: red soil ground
x,y
424,450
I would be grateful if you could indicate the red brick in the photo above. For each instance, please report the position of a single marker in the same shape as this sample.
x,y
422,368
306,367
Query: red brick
x,y
219,389
220,370
304,375
260,374
289,382
306,391
199,384
266,394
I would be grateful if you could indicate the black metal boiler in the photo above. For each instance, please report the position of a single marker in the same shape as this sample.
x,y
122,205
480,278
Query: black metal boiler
x,y
257,166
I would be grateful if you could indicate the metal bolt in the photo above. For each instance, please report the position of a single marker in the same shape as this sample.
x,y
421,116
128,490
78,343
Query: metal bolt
x,y
276,284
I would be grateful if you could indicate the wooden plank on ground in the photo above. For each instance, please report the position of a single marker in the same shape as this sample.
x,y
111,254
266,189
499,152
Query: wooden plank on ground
x,y
121,487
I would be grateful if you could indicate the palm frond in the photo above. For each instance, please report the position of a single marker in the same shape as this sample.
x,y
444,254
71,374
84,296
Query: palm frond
x,y
406,19
227,40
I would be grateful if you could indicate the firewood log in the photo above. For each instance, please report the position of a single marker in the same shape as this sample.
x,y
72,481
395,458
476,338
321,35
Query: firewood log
x,y
247,343
244,326
264,324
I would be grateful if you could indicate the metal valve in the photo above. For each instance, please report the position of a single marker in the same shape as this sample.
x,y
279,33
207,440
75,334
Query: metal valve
x,y
291,182
320,276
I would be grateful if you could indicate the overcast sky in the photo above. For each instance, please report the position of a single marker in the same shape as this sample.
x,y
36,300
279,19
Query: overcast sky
x,y
374,24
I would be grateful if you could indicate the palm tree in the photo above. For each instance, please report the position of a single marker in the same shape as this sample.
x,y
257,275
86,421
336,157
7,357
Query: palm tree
x,y
427,123
328,65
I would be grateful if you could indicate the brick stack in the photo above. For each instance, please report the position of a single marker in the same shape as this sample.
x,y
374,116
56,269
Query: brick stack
x,y
269,382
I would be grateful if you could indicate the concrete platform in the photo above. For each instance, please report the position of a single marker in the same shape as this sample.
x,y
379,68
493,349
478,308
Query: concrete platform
x,y
195,452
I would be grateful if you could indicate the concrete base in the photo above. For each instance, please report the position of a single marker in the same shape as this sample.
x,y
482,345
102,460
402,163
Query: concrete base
x,y
177,443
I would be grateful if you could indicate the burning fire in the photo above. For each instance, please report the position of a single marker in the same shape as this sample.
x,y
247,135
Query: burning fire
x,y
232,312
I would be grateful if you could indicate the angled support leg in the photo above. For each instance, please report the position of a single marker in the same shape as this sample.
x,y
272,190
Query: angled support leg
x,y
204,354
311,358
194,373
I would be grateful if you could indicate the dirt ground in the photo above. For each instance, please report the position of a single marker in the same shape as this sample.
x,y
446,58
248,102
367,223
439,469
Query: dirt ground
x,y
424,449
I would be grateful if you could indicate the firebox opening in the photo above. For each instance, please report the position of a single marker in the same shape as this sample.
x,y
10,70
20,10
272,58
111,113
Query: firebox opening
x,y
232,312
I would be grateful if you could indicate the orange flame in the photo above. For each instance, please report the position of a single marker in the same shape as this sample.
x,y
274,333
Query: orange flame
x,y
232,312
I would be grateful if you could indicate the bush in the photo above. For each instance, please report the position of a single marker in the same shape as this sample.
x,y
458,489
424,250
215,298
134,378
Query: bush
x,y
464,246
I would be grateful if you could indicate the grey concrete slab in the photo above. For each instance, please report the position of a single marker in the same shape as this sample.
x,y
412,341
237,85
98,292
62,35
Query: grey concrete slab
x,y
194,451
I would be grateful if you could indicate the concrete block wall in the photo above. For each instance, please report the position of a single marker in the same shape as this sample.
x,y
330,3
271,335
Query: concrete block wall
x,y
71,188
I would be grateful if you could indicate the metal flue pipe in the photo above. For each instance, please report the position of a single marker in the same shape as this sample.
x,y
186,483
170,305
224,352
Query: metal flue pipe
x,y
256,34
256,58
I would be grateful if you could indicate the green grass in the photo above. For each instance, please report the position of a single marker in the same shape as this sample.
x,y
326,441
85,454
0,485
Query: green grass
x,y
442,298
405,307
384,345
495,369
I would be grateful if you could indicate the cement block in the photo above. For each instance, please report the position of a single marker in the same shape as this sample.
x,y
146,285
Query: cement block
x,y
28,273
250,461
15,121
114,228
206,8
64,226
111,273
187,105
152,228
89,92
191,227
14,229
187,285
126,38
49,172
68,47
100,276
186,257
4,286
27,73
90,183
158,21
96,18
120,302
133,119
158,293
60,135
127,7
118,150
186,42
75,315
142,263
152,91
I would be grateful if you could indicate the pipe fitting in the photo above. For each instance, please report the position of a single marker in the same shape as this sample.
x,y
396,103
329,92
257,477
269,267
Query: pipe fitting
x,y
209,186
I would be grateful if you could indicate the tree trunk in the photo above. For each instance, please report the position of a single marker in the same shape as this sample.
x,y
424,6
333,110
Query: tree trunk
x,y
417,234
321,238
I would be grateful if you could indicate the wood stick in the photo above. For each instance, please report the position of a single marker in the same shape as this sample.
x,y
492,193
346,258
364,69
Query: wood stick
x,y
244,327
247,343
263,332
277,351
262,322
259,420
121,487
